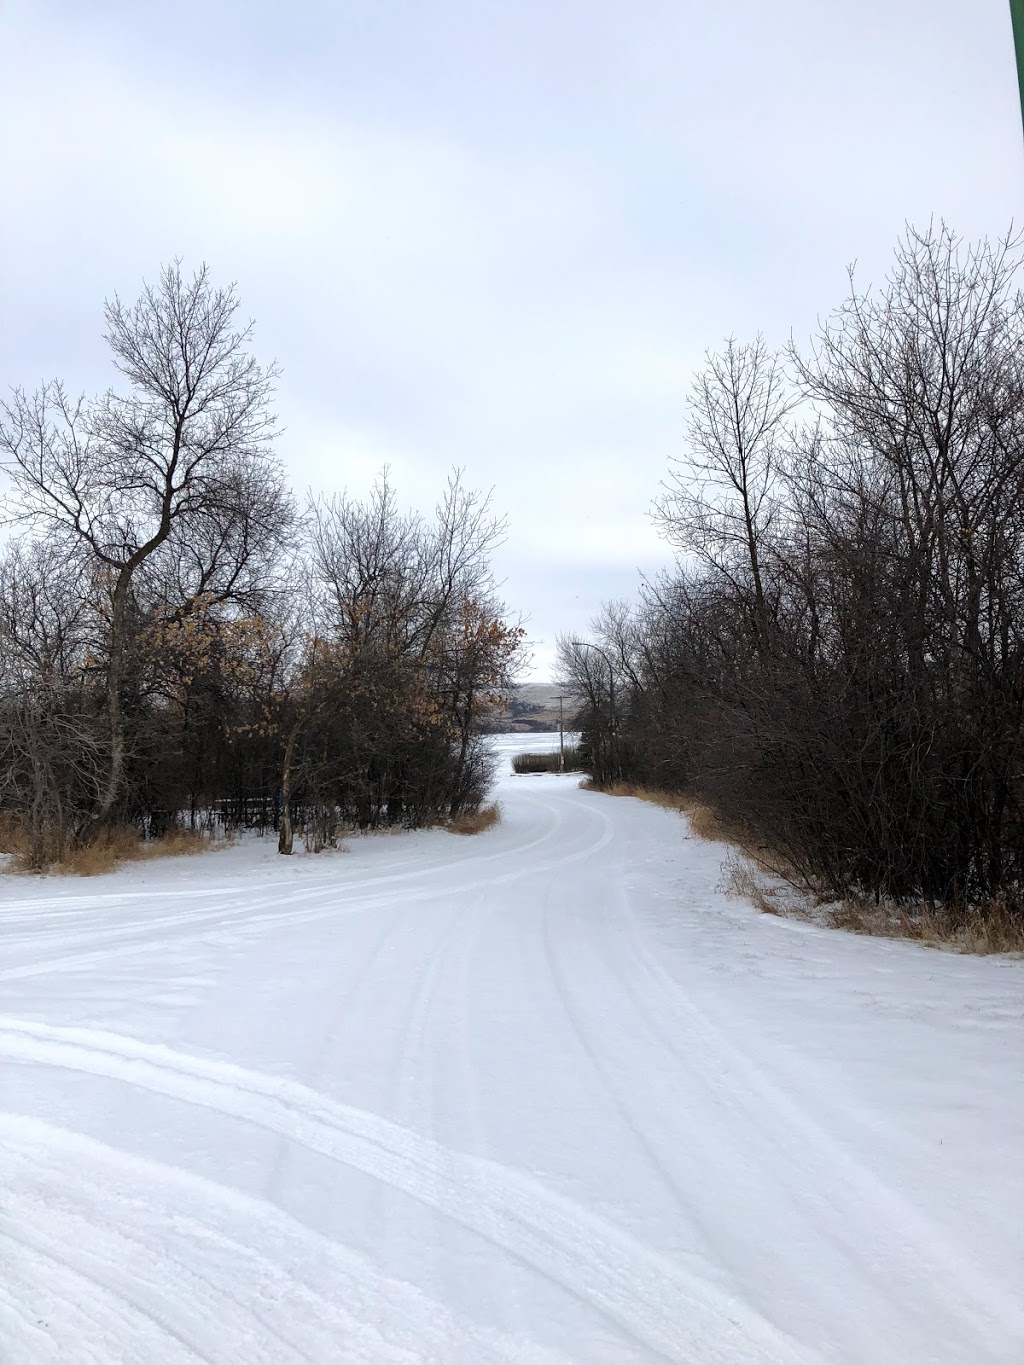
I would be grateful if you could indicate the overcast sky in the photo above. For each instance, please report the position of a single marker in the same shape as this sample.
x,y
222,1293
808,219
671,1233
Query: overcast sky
x,y
490,233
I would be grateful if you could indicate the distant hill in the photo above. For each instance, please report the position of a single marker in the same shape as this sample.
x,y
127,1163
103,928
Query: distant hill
x,y
532,706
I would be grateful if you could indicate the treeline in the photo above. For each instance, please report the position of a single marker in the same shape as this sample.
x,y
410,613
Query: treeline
x,y
837,662
178,637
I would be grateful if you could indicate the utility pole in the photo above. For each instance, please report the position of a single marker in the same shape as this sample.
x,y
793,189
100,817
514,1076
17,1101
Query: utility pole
x,y
561,738
1017,18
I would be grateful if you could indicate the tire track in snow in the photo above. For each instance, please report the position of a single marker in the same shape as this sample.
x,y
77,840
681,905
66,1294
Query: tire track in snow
x,y
363,982
71,907
138,937
410,1083
99,1272
59,1268
142,1290
673,1312
873,1214
620,1103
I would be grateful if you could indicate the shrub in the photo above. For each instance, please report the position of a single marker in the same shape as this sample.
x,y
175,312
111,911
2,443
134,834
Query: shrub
x,y
475,822
549,763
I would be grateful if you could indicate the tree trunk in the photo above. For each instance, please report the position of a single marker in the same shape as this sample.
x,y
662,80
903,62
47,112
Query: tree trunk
x,y
114,782
286,835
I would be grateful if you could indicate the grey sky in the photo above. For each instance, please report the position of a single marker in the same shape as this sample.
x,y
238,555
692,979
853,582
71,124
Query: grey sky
x,y
498,235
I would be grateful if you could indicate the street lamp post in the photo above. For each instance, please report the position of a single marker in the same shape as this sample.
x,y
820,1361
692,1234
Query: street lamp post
x,y
561,737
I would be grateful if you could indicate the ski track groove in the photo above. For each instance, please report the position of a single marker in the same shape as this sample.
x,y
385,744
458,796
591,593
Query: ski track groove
x,y
620,1106
99,1289
515,1206
320,1321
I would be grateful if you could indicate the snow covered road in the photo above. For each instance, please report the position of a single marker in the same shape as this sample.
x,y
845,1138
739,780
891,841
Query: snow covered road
x,y
542,1095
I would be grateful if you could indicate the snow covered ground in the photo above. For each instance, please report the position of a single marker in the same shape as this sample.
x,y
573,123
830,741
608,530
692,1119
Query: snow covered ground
x,y
541,1095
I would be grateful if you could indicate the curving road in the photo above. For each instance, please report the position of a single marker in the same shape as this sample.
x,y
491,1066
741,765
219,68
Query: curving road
x,y
541,1095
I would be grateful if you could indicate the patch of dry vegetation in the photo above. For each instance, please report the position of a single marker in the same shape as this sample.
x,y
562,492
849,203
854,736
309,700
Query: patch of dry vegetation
x,y
13,839
704,820
549,763
760,876
121,845
107,851
997,929
475,822
743,881
670,800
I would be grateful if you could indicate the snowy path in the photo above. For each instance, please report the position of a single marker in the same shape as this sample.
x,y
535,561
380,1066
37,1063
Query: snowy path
x,y
543,1095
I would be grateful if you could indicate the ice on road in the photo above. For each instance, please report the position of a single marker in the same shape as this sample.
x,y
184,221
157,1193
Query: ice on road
x,y
540,1095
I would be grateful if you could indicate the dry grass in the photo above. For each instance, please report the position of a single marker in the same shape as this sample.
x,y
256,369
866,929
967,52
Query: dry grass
x,y
742,881
549,763
13,839
707,823
704,820
108,850
995,929
484,818
670,800
764,879
117,846
103,854
862,915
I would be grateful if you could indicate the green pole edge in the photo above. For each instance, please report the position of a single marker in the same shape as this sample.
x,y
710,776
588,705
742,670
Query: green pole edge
x,y
1017,16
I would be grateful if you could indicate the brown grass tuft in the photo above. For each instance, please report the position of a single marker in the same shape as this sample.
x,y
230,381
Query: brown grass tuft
x,y
476,822
13,839
102,854
178,842
996,928
861,915
741,881
123,845
705,821
999,930
670,800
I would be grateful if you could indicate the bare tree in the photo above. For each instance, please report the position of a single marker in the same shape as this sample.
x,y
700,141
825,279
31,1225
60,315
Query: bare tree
x,y
184,456
719,501
50,743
